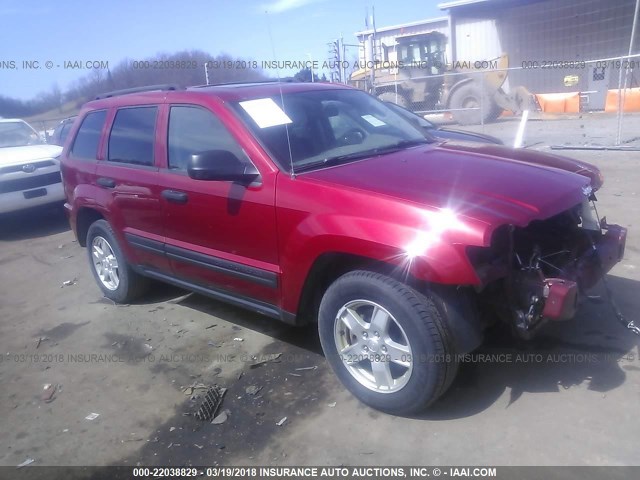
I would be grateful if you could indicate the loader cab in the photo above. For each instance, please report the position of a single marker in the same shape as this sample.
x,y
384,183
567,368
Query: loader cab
x,y
425,51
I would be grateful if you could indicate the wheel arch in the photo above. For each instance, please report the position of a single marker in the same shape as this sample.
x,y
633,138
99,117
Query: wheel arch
x,y
307,261
86,216
457,304
327,268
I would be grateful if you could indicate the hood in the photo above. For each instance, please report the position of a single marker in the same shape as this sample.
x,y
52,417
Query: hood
x,y
489,188
534,157
28,153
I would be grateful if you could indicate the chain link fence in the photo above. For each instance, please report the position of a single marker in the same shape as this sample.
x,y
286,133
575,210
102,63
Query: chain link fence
x,y
576,74
604,115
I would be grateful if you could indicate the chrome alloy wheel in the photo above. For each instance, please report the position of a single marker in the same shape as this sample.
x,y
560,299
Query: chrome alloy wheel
x,y
373,346
105,263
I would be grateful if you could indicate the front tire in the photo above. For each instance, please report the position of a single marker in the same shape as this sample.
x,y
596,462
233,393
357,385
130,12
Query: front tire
x,y
472,106
386,342
115,277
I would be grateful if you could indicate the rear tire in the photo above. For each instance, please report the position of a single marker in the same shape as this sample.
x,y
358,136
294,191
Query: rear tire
x,y
115,277
386,342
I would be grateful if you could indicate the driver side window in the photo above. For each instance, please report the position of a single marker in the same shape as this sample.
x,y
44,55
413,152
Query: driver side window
x,y
194,130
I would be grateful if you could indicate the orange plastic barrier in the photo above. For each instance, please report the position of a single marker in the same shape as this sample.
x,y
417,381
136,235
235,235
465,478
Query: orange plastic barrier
x,y
630,99
559,102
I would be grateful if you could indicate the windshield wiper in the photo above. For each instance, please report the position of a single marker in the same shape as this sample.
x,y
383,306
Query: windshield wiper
x,y
402,144
366,153
332,161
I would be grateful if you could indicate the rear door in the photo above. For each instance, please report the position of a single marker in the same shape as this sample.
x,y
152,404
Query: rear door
x,y
221,235
128,179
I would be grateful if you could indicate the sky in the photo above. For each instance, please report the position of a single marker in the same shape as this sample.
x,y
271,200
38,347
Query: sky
x,y
114,30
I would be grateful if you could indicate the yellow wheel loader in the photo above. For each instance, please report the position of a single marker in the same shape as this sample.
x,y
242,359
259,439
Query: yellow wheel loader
x,y
417,76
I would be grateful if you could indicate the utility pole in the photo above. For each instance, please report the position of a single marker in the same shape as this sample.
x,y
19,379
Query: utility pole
x,y
372,49
334,52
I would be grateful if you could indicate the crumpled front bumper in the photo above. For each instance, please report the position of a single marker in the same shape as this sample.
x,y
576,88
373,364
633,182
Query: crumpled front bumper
x,y
606,252
562,293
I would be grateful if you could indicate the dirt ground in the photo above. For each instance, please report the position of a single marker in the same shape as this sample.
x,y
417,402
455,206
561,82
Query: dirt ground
x,y
569,398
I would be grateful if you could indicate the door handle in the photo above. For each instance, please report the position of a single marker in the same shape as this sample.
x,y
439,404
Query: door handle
x,y
175,196
106,182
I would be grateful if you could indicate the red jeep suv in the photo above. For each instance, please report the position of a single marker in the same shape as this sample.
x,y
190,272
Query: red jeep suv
x,y
319,203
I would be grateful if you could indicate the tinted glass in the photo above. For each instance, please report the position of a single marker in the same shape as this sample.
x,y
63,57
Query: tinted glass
x,y
410,116
132,136
194,130
86,142
64,132
313,127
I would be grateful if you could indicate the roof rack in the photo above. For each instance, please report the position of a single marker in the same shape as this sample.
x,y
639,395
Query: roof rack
x,y
148,88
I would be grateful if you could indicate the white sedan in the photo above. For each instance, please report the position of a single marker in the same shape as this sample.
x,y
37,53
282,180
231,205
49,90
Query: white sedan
x,y
29,168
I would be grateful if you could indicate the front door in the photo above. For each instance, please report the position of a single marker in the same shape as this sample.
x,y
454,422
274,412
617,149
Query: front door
x,y
221,235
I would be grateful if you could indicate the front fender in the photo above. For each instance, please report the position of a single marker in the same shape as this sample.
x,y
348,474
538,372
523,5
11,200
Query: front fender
x,y
428,257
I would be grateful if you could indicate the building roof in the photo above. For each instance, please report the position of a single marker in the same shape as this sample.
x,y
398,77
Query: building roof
x,y
459,3
427,21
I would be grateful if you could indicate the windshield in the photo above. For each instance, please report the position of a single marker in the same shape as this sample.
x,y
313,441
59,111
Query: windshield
x,y
415,119
18,134
321,127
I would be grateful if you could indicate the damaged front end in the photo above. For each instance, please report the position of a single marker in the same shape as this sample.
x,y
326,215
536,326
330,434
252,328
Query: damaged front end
x,y
533,274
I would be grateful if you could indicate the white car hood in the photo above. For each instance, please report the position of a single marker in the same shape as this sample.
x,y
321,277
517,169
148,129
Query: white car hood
x,y
28,153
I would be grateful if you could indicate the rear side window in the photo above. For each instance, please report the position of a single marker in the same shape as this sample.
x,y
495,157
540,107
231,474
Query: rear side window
x,y
85,145
132,136
194,130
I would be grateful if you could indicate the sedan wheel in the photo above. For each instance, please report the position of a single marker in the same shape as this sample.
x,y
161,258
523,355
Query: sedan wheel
x,y
373,346
105,263
386,342
115,277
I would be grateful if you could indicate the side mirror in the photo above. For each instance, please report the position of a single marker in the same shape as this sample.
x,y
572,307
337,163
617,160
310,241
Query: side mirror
x,y
221,165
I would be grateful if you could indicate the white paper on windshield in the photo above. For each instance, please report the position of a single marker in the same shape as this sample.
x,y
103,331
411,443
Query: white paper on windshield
x,y
265,112
376,122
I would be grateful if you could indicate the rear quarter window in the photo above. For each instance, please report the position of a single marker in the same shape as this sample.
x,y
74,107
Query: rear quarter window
x,y
64,132
85,145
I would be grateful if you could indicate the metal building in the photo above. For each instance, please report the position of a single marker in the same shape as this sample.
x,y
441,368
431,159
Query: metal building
x,y
550,41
